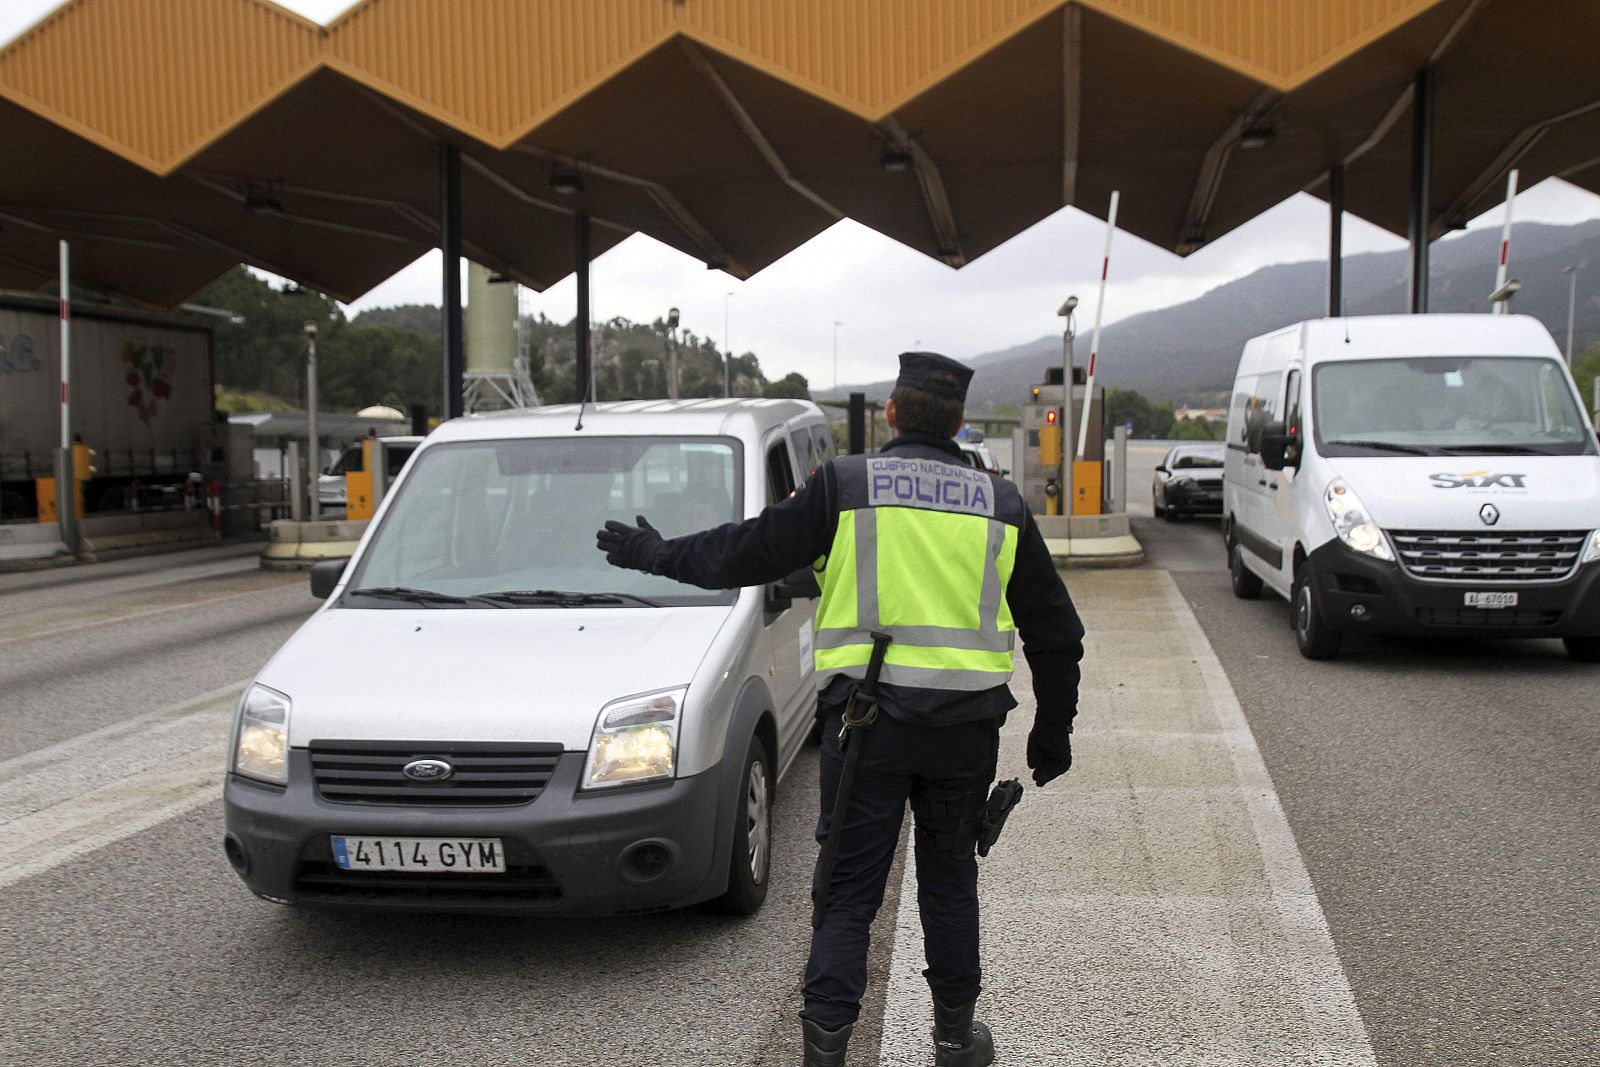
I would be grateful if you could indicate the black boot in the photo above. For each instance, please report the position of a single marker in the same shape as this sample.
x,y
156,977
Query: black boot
x,y
957,1040
825,1048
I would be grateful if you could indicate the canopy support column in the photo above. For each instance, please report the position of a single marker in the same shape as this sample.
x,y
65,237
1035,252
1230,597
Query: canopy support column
x,y
455,364
581,357
1336,240
1421,221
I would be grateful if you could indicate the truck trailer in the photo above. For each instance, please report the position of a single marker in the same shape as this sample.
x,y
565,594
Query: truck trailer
x,y
141,397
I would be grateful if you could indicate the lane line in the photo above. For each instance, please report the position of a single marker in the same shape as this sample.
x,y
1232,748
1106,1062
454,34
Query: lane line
x,y
1151,907
36,780
111,620
46,839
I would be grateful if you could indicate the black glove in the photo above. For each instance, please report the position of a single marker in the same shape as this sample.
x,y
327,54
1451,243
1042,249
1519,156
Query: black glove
x,y
633,547
1049,754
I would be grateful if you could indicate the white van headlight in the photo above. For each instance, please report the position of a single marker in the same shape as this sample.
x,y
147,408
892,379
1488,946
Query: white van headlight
x,y
635,740
1592,552
262,748
1352,523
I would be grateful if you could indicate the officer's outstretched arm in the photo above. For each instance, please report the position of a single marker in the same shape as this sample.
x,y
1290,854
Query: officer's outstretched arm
x,y
785,537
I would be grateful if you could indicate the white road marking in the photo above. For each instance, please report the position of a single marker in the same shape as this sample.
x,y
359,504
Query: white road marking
x,y
1151,907
61,802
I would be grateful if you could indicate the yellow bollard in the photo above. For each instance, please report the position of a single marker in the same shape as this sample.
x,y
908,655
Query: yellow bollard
x,y
1086,479
44,491
358,503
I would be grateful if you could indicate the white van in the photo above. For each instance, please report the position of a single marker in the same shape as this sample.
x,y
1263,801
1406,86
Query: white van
x,y
1415,474
486,715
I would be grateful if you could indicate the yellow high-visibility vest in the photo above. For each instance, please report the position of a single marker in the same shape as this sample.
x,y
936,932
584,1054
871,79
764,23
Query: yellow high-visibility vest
x,y
923,551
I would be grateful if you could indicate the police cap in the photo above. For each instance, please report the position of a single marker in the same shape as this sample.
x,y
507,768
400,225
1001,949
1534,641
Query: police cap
x,y
936,374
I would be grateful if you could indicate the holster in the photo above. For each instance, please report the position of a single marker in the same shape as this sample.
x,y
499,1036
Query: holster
x,y
1006,795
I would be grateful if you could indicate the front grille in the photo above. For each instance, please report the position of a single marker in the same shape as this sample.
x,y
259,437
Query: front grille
x,y
485,773
322,880
1487,619
1497,557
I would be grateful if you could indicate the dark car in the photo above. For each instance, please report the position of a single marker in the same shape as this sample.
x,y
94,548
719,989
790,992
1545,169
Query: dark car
x,y
1188,482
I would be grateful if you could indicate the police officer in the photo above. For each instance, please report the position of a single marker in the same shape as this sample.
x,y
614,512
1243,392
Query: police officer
x,y
947,562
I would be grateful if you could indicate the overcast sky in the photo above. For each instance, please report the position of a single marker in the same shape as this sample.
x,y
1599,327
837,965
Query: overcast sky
x,y
890,298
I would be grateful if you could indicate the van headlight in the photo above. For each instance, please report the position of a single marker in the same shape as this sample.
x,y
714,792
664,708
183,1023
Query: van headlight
x,y
635,740
1352,523
1591,554
261,748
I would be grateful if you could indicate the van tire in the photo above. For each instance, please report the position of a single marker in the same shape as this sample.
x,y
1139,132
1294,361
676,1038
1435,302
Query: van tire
x,y
1245,582
749,875
1583,649
1311,634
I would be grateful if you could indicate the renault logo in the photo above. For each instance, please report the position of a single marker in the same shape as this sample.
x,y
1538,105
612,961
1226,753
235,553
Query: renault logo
x,y
427,770
1489,514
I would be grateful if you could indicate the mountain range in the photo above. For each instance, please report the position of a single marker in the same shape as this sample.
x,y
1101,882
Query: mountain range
x,y
1188,352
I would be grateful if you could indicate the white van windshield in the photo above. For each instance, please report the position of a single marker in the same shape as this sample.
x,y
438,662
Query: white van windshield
x,y
488,519
1447,405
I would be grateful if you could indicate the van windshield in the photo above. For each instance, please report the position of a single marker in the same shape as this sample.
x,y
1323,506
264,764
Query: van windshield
x,y
519,516
1447,405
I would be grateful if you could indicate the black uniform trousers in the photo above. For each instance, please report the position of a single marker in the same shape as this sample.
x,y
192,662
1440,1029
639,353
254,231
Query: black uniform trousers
x,y
944,771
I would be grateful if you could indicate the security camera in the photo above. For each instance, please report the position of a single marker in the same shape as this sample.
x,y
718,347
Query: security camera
x,y
672,318
310,328
1066,309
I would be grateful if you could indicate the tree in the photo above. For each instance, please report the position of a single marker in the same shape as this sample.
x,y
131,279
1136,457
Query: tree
x,y
1585,369
1198,430
791,386
1148,419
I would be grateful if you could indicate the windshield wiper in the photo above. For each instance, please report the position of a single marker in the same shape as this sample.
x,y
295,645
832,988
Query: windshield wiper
x,y
1387,446
418,596
562,598
1491,449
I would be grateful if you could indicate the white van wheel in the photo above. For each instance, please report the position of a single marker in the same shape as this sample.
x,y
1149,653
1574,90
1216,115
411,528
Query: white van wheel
x,y
1246,583
1311,634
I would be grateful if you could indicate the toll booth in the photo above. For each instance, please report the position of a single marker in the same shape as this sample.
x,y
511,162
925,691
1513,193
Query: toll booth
x,y
1046,434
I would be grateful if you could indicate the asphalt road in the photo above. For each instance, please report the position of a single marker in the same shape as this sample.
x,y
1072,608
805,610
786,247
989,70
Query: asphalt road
x,y
1444,797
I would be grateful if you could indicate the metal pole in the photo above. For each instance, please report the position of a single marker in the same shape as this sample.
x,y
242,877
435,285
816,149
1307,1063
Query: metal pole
x,y
1336,241
313,438
1120,475
727,345
858,423
580,349
1572,306
836,325
1065,478
66,489
1420,225
450,245
1094,344
1505,242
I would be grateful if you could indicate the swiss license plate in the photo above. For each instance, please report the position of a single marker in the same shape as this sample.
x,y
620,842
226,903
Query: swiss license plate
x,y
1491,600
420,855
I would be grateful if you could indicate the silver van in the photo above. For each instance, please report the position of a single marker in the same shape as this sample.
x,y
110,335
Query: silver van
x,y
485,715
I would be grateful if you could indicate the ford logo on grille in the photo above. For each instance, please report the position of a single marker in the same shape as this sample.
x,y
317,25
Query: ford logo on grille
x,y
427,770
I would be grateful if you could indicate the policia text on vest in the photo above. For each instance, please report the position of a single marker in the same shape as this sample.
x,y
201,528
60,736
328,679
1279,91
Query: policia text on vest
x,y
948,562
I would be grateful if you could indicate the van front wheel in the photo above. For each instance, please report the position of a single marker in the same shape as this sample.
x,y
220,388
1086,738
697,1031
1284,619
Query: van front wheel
x,y
1311,634
751,861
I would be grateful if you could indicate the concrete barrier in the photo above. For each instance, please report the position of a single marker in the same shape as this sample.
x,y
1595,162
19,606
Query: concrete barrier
x,y
31,544
297,545
1079,541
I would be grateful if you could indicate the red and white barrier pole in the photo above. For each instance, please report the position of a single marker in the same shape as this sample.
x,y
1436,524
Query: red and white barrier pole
x,y
1505,242
1094,345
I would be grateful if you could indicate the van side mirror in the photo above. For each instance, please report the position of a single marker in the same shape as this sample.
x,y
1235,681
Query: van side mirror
x,y
325,575
1275,445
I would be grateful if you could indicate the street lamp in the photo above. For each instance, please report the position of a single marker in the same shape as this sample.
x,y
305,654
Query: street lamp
x,y
836,325
727,346
1572,304
671,333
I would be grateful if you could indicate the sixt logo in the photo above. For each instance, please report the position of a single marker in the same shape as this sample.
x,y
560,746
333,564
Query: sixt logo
x,y
1479,480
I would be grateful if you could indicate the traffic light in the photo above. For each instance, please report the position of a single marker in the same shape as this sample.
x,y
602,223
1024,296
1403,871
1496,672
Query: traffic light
x,y
1050,440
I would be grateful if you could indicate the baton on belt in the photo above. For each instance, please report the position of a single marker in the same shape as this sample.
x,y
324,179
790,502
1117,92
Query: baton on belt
x,y
854,722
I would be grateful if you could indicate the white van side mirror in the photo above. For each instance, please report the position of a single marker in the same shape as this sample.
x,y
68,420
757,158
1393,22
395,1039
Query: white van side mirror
x,y
1276,442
